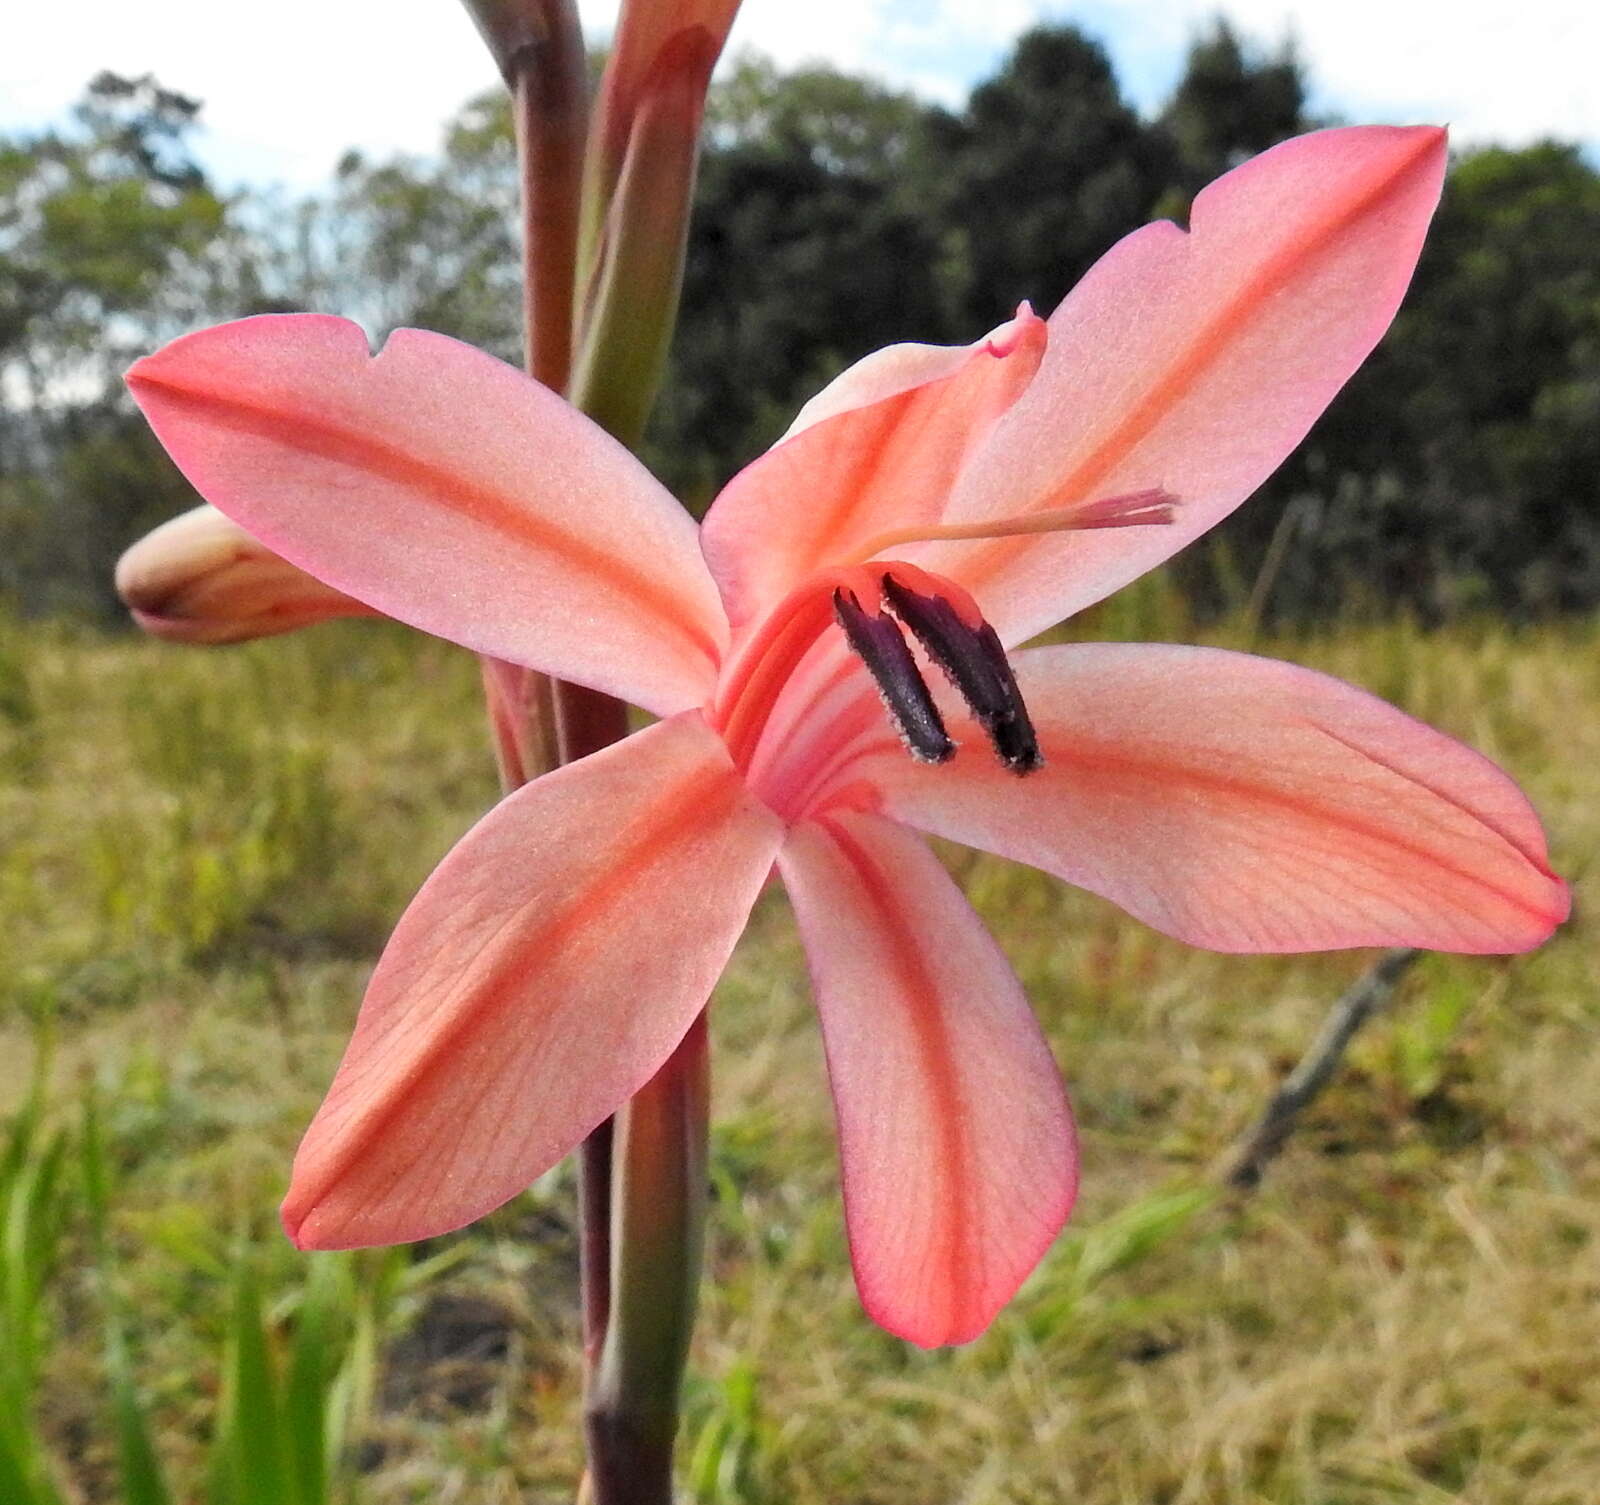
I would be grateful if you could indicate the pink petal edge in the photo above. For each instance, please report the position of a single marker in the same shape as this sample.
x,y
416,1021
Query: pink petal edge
x,y
1196,362
877,449
446,489
542,975
959,1158
1243,804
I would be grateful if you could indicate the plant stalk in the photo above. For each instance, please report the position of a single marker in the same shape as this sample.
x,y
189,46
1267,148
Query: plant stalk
x,y
658,1209
643,1174
542,55
585,722
550,103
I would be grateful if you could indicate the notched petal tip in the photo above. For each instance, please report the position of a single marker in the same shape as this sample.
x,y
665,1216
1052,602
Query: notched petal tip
x,y
193,354
1025,328
367,471
1199,359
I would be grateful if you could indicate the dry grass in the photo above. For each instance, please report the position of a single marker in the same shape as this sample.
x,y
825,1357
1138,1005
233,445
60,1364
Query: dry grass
x,y
203,852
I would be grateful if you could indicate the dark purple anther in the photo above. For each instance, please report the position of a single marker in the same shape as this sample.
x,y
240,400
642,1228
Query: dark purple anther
x,y
977,666
878,643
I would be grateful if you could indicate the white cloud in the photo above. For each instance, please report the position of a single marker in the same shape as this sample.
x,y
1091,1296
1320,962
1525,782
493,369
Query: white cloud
x,y
1502,70
289,85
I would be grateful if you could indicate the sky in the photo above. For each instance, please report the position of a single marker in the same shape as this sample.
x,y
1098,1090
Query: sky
x,y
290,85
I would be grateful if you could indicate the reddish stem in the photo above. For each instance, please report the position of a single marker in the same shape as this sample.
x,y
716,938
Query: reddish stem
x,y
550,105
550,109
594,1239
658,1205
586,721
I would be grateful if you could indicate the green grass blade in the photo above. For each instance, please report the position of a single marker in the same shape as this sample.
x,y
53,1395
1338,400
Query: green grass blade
x,y
307,1395
139,1468
1136,1231
142,1480
253,1469
31,1216
96,1175
14,1478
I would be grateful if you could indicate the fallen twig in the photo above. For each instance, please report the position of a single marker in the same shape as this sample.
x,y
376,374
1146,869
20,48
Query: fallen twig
x,y
1243,1168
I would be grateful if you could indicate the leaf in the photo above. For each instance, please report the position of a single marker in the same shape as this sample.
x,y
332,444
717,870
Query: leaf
x,y
249,1465
142,1480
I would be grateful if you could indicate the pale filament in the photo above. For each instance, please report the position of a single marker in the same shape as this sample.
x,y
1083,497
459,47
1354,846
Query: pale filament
x,y
1134,509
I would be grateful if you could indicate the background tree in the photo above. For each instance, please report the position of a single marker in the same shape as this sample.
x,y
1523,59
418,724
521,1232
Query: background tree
x,y
807,250
430,242
1461,468
1046,167
1231,103
111,240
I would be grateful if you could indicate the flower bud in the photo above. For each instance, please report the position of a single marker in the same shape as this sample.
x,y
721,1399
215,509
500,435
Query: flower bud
x,y
658,43
643,152
200,578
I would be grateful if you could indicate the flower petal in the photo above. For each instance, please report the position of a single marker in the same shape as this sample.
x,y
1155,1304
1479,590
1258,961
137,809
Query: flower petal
x,y
1196,362
542,975
959,1157
877,449
1243,804
446,489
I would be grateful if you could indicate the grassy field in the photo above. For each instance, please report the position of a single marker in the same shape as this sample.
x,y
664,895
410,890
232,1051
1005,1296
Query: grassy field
x,y
202,853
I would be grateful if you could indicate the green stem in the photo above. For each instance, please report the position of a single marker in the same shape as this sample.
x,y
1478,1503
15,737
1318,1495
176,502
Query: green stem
x,y
540,723
658,1207
643,1175
634,271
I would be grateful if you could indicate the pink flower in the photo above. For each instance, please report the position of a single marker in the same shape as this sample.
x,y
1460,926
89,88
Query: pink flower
x,y
559,953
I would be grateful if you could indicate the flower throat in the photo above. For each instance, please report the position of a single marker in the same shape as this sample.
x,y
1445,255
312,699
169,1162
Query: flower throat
x,y
872,602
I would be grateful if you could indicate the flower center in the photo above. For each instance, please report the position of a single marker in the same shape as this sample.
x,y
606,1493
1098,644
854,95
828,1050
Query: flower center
x,y
871,604
875,602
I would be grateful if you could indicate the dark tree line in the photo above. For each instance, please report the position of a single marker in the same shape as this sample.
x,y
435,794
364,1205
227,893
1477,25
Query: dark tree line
x,y
1460,470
